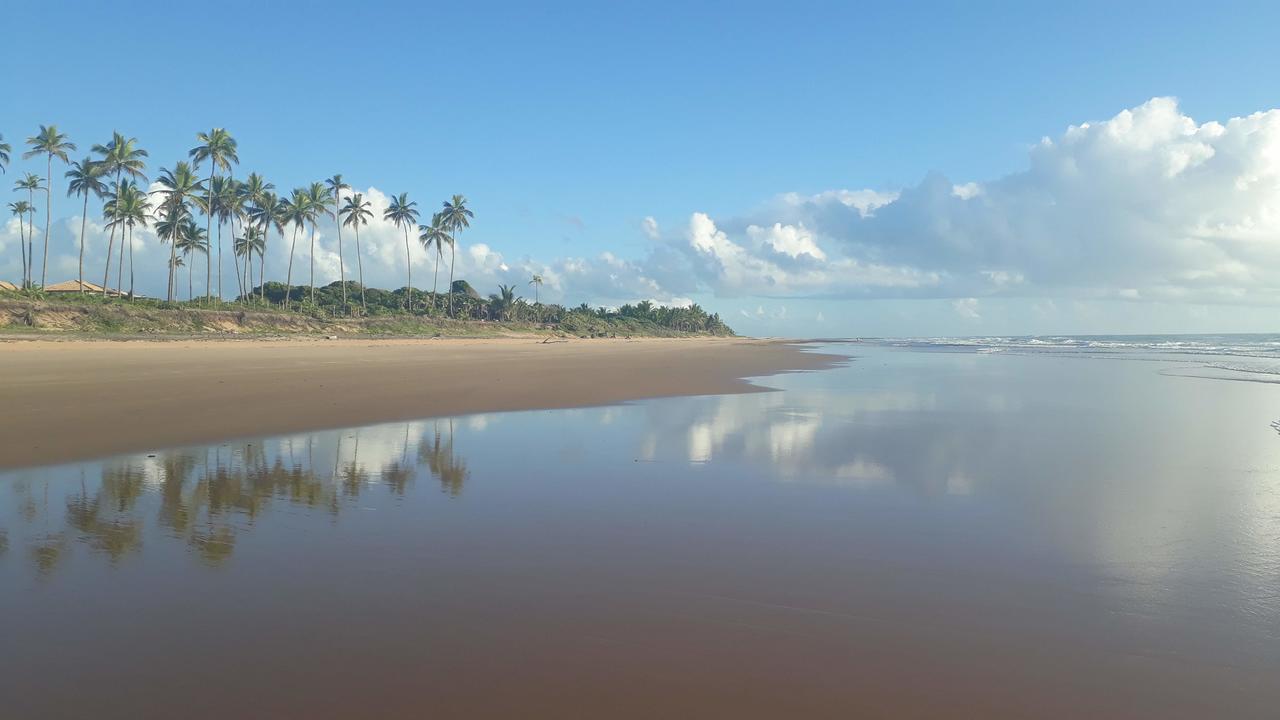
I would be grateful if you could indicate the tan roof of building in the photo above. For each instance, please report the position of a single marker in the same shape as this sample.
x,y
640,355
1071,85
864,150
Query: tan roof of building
x,y
6,285
73,286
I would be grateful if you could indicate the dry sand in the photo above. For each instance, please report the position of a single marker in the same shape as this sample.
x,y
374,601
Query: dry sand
x,y
75,400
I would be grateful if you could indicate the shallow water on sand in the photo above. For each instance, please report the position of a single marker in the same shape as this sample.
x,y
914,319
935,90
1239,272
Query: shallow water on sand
x,y
917,534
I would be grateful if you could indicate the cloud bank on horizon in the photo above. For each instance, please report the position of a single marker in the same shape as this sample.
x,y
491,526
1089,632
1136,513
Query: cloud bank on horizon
x,y
1148,205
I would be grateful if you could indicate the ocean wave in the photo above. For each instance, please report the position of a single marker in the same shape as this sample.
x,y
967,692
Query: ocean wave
x,y
1264,347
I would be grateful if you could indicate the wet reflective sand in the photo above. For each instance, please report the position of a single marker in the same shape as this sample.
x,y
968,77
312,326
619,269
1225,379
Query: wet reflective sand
x,y
919,534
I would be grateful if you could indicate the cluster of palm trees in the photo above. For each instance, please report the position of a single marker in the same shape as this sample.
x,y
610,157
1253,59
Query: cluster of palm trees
x,y
205,184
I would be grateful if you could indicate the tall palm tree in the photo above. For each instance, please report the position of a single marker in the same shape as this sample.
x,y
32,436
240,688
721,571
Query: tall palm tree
x,y
456,217
178,187
120,157
267,211
434,237
172,229
219,148
21,209
31,183
52,144
134,207
126,209
83,179
355,213
253,192
317,207
192,240
228,205
247,245
295,211
336,186
536,282
5,149
404,214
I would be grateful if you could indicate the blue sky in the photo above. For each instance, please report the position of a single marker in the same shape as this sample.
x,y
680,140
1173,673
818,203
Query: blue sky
x,y
568,125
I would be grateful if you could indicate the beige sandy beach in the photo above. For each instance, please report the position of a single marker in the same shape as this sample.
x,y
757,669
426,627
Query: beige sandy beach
x,y
74,400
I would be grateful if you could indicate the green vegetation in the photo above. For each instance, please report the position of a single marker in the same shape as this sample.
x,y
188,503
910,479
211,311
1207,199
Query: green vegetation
x,y
336,311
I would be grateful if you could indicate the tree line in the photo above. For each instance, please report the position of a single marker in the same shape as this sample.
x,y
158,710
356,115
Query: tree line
x,y
204,185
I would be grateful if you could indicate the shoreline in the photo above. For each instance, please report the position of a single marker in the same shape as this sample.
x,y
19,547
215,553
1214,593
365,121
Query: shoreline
x,y
67,400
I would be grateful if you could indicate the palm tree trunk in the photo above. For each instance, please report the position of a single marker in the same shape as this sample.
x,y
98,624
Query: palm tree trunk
x,y
408,266
22,246
288,278
112,240
31,239
262,269
342,273
84,215
131,296
172,254
360,264
208,227
120,266
106,272
453,255
435,282
48,210
191,292
313,264
234,257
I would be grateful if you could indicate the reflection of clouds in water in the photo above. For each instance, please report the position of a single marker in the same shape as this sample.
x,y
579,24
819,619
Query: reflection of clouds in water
x,y
792,434
861,471
800,435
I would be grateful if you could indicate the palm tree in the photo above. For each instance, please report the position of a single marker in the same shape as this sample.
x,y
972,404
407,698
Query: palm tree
x,y
126,209
178,188
134,207
219,148
268,212
433,236
84,181
336,186
172,229
504,301
192,240
253,198
536,282
52,144
456,217
404,214
228,204
356,213
252,242
20,209
121,156
5,149
30,183
294,210
317,206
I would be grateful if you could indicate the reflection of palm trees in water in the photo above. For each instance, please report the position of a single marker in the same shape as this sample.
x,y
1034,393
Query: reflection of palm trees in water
x,y
104,520
443,462
206,497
